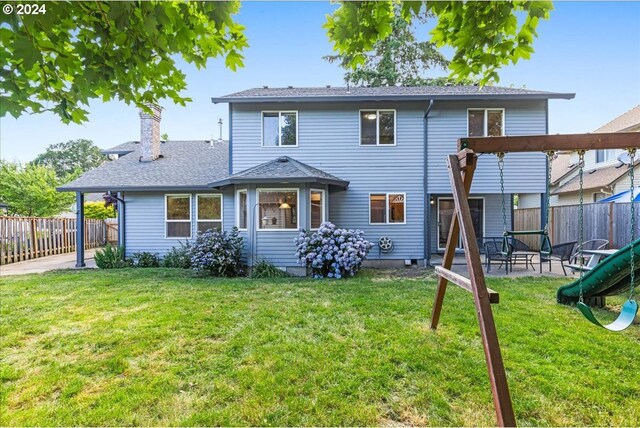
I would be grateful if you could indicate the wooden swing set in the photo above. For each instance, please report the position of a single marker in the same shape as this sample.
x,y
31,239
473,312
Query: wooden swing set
x,y
461,170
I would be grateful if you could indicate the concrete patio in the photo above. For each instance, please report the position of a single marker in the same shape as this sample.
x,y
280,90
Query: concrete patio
x,y
460,266
45,264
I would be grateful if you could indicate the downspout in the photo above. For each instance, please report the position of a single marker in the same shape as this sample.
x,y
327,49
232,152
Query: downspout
x,y
121,219
427,196
230,139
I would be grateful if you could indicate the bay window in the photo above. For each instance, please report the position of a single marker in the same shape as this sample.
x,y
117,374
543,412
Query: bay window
x,y
241,209
278,209
317,208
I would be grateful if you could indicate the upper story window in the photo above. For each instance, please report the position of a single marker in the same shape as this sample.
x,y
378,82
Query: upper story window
x,y
278,209
377,127
485,122
387,208
279,128
209,212
178,216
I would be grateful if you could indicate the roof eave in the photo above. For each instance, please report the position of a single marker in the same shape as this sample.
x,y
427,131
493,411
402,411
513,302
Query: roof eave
x,y
361,98
95,189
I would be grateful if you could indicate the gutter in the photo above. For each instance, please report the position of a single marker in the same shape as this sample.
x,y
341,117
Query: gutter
x,y
426,195
362,98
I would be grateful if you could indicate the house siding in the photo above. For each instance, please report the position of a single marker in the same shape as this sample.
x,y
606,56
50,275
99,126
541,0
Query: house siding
x,y
328,139
523,172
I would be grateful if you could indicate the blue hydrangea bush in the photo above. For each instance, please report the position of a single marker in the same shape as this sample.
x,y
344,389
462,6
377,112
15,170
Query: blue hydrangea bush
x,y
332,252
217,253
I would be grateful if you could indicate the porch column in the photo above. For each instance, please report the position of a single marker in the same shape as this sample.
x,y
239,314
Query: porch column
x,y
121,221
79,230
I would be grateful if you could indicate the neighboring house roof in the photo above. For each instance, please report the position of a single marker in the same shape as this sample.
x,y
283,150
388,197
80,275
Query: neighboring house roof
x,y
626,122
390,93
122,149
594,179
279,170
561,166
183,165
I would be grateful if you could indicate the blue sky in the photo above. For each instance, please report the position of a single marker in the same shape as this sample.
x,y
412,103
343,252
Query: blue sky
x,y
590,48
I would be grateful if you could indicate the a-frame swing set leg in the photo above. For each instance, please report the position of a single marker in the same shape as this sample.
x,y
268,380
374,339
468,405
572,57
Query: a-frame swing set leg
x,y
461,177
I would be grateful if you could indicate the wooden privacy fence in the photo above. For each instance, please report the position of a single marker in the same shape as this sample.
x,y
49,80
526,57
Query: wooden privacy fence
x,y
601,221
112,231
26,238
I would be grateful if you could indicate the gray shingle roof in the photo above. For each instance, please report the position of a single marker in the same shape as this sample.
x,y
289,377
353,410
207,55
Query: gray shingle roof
x,y
280,170
385,93
122,149
184,165
593,179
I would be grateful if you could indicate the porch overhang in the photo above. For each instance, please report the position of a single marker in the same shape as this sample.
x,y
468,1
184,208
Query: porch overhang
x,y
341,184
282,170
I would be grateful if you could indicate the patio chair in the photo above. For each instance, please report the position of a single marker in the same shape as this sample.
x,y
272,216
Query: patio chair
x,y
593,244
561,252
493,253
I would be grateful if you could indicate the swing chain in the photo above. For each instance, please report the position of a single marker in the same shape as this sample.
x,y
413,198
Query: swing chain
x,y
581,220
550,155
632,154
504,209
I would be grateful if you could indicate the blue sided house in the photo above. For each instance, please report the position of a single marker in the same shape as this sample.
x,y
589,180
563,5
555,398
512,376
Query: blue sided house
x,y
364,158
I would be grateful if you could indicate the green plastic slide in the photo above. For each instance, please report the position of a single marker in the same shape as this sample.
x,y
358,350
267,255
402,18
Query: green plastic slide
x,y
610,277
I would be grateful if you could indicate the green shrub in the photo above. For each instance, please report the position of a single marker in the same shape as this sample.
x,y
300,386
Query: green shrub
x,y
144,259
264,269
98,210
178,257
111,257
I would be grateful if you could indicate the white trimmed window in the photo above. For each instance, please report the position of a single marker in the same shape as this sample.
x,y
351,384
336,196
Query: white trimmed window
x,y
387,208
178,216
209,212
377,127
485,122
317,208
241,209
279,128
278,209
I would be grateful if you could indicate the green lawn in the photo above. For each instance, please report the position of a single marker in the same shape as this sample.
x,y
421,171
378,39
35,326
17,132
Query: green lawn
x,y
158,347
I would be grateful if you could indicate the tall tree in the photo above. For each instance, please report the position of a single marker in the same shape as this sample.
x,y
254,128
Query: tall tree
x,y
30,190
485,35
71,157
72,52
397,59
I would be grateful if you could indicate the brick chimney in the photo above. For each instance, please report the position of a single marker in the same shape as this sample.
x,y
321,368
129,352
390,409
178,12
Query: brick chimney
x,y
150,133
